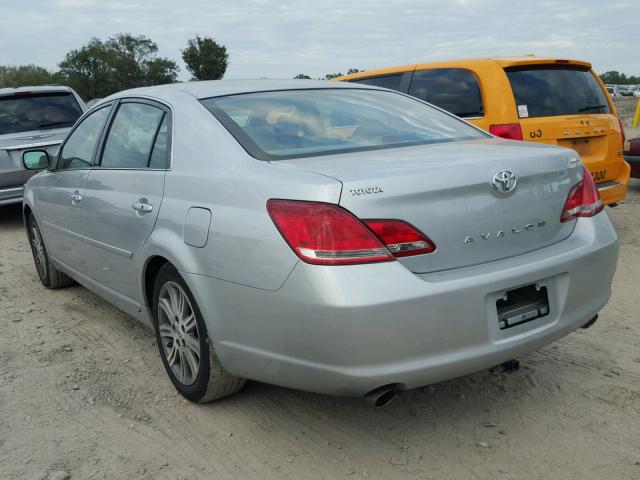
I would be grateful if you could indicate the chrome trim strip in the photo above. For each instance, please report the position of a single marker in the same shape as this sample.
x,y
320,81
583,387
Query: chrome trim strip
x,y
58,229
344,254
11,191
11,195
108,248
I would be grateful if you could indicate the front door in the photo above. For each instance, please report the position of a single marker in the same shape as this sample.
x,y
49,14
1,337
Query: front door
x,y
59,192
123,196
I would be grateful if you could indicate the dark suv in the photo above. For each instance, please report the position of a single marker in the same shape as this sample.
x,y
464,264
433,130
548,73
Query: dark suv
x,y
32,117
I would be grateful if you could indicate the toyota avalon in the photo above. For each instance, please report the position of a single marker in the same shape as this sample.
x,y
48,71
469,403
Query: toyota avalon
x,y
328,237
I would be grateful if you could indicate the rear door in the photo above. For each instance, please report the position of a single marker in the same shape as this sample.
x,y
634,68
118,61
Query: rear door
x,y
59,192
123,195
565,105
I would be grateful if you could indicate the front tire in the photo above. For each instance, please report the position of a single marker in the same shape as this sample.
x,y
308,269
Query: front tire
x,y
185,347
49,275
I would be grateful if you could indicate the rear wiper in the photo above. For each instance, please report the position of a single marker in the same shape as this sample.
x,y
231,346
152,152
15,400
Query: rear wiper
x,y
55,124
592,107
469,114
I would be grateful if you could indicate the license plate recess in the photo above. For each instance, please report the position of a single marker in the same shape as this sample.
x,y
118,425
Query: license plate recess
x,y
522,305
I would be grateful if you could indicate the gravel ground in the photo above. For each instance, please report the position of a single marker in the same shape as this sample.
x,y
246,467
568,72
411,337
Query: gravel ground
x,y
83,395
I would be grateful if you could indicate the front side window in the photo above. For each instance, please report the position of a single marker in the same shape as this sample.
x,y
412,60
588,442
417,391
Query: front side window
x,y
393,82
550,90
135,133
455,90
78,150
26,112
302,123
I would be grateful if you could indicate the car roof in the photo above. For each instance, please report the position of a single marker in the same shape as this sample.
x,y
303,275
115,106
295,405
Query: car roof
x,y
216,88
504,62
34,89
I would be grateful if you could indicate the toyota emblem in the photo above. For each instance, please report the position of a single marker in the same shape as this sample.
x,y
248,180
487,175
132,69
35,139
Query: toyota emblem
x,y
504,181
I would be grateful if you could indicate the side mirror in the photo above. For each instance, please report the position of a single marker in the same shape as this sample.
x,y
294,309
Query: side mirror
x,y
36,160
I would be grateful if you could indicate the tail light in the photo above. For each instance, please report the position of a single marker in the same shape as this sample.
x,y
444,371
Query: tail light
x,y
510,131
401,238
327,234
583,200
624,137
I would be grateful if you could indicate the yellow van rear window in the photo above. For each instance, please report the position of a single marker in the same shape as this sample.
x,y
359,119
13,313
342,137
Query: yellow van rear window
x,y
550,90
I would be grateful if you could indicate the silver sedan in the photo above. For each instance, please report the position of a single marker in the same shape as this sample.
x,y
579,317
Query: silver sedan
x,y
320,236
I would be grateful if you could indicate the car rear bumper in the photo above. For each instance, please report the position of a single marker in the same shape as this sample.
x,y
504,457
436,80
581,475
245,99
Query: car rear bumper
x,y
634,163
613,191
349,330
10,195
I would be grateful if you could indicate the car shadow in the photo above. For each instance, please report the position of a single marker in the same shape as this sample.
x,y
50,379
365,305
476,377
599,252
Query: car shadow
x,y
486,402
10,216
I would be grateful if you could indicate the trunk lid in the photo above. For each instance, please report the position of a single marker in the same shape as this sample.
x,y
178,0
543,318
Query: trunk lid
x,y
446,191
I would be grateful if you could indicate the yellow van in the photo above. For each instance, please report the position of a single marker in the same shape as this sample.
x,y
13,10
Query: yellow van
x,y
560,102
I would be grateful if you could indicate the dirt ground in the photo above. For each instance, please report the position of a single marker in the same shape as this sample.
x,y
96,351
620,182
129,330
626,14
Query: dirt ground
x,y
83,391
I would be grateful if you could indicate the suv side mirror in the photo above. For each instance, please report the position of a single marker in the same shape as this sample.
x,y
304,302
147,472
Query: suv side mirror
x,y
36,160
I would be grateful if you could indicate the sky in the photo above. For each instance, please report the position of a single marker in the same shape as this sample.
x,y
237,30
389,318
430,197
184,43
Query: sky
x,y
281,38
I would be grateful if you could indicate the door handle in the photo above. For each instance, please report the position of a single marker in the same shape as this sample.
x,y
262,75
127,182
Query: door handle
x,y
76,197
142,207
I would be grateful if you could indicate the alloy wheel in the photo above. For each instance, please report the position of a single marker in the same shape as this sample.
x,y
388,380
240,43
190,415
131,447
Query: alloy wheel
x,y
39,253
179,333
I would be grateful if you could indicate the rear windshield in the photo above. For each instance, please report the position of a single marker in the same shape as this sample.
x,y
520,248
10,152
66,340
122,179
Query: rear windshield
x,y
41,111
544,91
302,123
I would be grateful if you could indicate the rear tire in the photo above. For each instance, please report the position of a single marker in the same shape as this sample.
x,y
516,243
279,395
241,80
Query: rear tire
x,y
186,350
49,275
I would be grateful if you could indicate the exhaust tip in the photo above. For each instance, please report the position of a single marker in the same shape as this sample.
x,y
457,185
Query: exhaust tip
x,y
381,396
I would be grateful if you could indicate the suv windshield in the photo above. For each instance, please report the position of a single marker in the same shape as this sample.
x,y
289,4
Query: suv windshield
x,y
302,123
24,112
549,90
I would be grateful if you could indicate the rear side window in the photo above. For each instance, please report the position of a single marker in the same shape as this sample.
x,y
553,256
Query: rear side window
x,y
392,82
453,89
160,152
26,112
135,134
550,90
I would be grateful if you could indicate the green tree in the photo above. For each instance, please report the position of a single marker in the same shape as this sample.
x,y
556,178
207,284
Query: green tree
x,y
329,76
616,78
302,76
25,75
205,58
123,61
